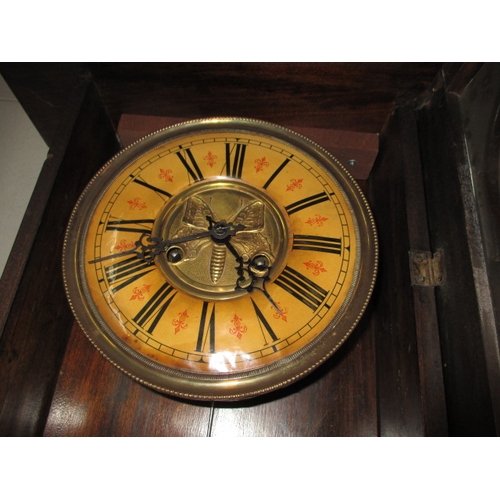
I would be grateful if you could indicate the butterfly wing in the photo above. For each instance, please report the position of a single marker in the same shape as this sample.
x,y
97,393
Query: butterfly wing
x,y
251,241
194,221
251,216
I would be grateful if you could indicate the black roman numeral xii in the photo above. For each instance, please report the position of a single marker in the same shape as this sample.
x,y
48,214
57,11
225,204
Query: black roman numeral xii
x,y
235,158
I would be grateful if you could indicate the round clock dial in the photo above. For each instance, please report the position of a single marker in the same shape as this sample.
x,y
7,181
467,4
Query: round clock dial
x,y
220,258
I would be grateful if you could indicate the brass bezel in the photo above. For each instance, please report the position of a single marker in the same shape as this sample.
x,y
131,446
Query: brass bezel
x,y
218,387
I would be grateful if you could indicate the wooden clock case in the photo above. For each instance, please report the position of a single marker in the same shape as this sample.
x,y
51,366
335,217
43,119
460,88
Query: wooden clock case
x,y
424,140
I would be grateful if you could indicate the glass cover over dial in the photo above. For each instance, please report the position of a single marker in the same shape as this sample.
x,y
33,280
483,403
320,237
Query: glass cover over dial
x,y
220,258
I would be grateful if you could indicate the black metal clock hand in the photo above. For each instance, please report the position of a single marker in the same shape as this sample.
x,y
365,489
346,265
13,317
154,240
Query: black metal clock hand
x,y
258,270
148,247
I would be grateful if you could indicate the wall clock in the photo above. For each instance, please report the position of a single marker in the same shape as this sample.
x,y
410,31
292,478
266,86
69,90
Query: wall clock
x,y
220,258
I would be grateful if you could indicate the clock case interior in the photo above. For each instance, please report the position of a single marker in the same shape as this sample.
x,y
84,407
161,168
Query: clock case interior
x,y
424,359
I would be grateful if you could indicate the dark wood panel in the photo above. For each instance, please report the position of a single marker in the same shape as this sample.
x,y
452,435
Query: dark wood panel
x,y
35,334
468,395
345,96
424,300
399,398
93,398
480,181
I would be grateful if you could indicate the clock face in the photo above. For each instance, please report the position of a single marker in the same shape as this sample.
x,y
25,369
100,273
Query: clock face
x,y
220,259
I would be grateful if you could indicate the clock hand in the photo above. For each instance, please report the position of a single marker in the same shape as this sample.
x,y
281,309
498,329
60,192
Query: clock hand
x,y
262,287
148,251
219,231
258,270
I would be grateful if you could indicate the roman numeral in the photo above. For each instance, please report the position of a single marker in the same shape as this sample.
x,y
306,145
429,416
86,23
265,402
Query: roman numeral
x,y
131,225
150,315
306,202
317,243
265,324
302,288
126,272
163,194
190,164
206,332
235,157
275,173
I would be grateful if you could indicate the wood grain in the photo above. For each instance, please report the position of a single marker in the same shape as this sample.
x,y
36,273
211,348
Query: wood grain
x,y
93,398
342,96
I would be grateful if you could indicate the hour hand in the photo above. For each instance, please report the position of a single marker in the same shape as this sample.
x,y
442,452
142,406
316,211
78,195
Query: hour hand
x,y
147,247
258,270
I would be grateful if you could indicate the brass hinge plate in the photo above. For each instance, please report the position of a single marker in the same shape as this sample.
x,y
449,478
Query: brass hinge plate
x,y
426,268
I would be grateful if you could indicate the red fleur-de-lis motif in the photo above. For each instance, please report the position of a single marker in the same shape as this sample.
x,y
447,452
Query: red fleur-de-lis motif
x,y
282,312
317,219
180,322
166,175
124,245
138,292
294,184
260,164
315,267
211,159
239,328
136,204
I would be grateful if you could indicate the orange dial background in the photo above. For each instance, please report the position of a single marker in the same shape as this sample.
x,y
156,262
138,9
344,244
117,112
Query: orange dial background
x,y
178,330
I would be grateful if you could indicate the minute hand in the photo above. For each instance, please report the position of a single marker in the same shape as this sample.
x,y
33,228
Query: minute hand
x,y
147,247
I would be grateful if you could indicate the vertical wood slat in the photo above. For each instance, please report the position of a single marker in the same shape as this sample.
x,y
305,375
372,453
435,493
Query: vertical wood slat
x,y
36,331
480,187
410,378
468,393
426,323
397,371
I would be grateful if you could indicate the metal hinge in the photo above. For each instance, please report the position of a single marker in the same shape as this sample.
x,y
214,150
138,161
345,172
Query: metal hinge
x,y
426,269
